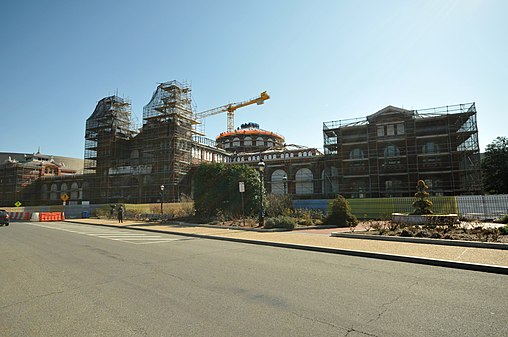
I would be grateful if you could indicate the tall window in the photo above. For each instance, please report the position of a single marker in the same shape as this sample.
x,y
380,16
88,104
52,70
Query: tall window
x,y
400,129
430,148
356,154
391,151
304,181
247,141
278,182
390,130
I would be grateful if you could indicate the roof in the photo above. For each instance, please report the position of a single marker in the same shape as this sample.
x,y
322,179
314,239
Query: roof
x,y
253,132
390,111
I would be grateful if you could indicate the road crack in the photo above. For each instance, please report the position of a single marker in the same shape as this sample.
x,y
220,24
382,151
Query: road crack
x,y
32,298
386,306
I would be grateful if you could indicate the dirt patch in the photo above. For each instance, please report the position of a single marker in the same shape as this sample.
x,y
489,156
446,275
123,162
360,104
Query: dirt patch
x,y
465,231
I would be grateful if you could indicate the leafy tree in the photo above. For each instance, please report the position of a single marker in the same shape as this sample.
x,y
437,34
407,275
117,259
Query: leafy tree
x,y
340,214
216,190
495,166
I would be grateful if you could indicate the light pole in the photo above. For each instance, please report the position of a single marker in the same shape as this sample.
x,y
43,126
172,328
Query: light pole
x,y
285,182
261,168
162,199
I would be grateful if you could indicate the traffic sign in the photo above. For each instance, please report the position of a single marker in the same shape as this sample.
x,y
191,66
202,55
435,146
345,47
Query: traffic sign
x,y
241,186
17,204
64,197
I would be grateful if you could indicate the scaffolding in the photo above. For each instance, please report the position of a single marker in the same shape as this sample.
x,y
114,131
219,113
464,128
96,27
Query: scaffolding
x,y
385,154
110,124
168,127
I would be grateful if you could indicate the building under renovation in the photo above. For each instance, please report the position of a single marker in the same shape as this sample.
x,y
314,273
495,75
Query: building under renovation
x,y
383,154
386,153
31,179
143,165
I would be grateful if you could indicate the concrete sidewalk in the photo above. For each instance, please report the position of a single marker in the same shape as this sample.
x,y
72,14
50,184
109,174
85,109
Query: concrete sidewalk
x,y
480,259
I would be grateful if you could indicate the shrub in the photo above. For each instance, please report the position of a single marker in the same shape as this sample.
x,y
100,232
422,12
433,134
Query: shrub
x,y
422,204
278,205
280,222
503,230
102,212
339,213
502,219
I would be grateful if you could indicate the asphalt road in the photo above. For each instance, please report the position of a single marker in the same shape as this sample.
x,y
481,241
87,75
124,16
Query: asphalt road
x,y
61,279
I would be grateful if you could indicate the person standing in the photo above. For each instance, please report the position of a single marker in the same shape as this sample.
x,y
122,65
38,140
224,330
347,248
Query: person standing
x,y
120,212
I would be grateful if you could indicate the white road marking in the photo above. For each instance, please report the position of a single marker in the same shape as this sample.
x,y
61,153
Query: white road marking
x,y
110,234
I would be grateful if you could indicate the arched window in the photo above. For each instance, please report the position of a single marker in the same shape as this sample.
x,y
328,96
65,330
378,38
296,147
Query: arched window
x,y
304,181
44,192
269,142
134,154
430,148
247,141
277,182
63,187
260,141
74,191
356,154
236,142
54,192
392,151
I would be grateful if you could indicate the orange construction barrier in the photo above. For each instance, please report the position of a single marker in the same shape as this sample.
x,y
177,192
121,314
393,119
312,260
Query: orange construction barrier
x,y
50,216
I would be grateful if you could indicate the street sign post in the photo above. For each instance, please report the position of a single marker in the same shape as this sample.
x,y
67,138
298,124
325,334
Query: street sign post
x,y
17,204
64,197
241,188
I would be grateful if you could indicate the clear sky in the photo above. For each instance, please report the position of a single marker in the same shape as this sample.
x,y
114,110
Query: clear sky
x,y
319,61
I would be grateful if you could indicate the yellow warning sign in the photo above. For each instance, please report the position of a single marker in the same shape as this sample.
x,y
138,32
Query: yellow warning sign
x,y
64,197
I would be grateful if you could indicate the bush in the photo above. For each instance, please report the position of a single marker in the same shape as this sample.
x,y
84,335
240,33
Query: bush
x,y
308,217
280,222
502,219
278,205
339,214
102,212
503,230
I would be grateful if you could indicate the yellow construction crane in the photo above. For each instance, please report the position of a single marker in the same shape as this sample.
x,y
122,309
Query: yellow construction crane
x,y
231,107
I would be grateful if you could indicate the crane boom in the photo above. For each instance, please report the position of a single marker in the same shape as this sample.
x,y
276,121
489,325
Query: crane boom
x,y
231,108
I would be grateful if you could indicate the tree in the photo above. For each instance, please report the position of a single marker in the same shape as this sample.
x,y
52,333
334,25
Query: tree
x,y
216,189
495,166
339,213
422,204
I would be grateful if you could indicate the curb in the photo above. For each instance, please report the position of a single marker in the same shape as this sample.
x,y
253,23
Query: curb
x,y
184,224
486,268
442,242
251,229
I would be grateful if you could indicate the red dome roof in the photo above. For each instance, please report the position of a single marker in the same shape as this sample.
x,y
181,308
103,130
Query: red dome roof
x,y
249,132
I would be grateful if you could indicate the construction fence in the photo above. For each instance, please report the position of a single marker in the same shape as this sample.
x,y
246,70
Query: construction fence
x,y
470,207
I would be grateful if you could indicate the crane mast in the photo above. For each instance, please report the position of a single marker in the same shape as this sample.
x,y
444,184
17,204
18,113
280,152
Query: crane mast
x,y
232,107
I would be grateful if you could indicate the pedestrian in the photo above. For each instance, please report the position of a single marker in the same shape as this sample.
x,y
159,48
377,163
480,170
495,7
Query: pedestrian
x,y
120,213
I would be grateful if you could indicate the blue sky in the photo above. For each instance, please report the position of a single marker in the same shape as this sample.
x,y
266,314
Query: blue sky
x,y
319,61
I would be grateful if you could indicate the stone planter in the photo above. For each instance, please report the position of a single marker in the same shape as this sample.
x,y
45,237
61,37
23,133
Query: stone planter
x,y
427,219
